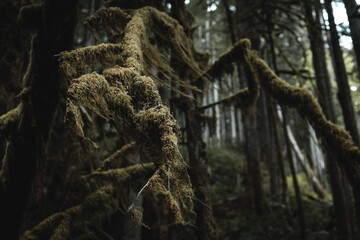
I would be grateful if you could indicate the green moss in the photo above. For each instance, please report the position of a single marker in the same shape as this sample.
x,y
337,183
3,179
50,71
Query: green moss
x,y
125,93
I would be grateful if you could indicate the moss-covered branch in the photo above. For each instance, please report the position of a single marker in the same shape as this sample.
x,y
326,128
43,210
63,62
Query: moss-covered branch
x,y
247,96
95,197
285,94
301,99
8,121
238,99
123,92
116,159
88,59
96,206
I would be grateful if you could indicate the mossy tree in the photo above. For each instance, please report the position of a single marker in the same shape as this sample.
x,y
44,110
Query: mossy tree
x,y
124,94
27,126
117,82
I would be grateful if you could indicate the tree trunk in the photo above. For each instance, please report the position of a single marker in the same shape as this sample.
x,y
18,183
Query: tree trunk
x,y
273,116
354,22
326,102
200,179
344,94
253,160
310,175
251,140
300,213
252,146
280,156
26,150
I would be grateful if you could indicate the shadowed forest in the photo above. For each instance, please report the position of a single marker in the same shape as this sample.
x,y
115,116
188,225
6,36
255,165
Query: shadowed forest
x,y
180,119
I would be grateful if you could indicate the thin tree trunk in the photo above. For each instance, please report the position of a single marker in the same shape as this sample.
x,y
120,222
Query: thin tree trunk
x,y
344,94
319,61
253,160
251,140
326,102
310,175
233,41
275,118
200,179
269,145
300,214
280,157
354,21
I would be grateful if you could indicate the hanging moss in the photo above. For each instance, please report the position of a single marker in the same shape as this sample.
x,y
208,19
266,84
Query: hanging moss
x,y
164,32
123,91
113,23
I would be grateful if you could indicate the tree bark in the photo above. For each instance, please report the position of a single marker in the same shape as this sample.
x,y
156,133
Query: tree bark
x,y
26,150
344,94
200,179
251,137
274,118
354,22
326,102
280,156
252,152
300,214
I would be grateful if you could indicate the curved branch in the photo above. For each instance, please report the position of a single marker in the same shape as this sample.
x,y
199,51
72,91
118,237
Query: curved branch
x,y
95,207
8,121
302,100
